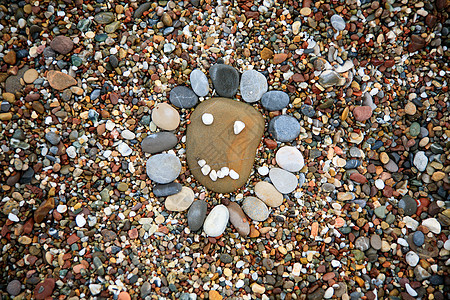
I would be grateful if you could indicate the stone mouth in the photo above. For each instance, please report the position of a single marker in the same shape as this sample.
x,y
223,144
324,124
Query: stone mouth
x,y
219,146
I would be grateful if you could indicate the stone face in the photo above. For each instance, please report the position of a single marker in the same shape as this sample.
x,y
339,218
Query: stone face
x,y
216,222
163,168
284,181
42,212
275,100
62,44
284,128
165,116
164,190
183,97
290,159
196,215
180,201
158,142
268,194
255,208
219,146
60,81
225,80
253,86
238,219
199,83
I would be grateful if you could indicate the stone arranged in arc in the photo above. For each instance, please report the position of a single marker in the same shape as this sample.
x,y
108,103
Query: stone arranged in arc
x,y
158,142
196,215
275,100
284,181
255,208
216,222
268,194
165,117
284,128
225,80
183,97
253,86
238,219
290,159
199,83
163,168
180,201
164,190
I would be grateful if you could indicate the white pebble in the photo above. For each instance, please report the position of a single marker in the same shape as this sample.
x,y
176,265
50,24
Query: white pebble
x,y
234,175
207,119
412,258
128,135
213,175
80,220
379,184
432,224
201,162
206,169
238,127
71,152
447,245
13,218
62,208
410,290
225,171
220,174
263,171
124,149
329,293
239,283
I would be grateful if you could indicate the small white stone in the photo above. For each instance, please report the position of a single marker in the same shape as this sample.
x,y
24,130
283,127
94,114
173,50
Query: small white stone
x,y
201,162
13,218
124,149
234,175
213,175
80,220
410,290
263,171
238,127
379,184
220,174
432,224
447,245
329,293
128,135
71,152
206,169
62,208
95,288
225,171
412,258
239,283
207,119
410,223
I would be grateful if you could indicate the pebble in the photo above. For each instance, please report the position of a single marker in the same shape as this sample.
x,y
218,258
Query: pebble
x,y
164,190
284,128
418,238
199,83
225,79
62,44
284,181
165,117
207,119
420,161
408,204
145,289
95,288
52,137
80,220
375,241
14,287
412,258
159,142
337,22
216,222
183,97
60,81
196,215
290,159
255,209
362,113
268,194
180,201
124,149
275,100
238,219
30,75
163,168
362,243
253,86
433,225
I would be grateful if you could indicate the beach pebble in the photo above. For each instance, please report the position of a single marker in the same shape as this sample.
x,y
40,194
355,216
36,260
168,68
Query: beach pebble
x,y
180,201
290,159
275,100
183,97
199,83
158,142
165,117
284,181
284,128
225,79
163,168
216,222
253,86
196,215
420,161
255,209
268,194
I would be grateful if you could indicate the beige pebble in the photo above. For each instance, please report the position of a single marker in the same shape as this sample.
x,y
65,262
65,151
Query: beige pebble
x,y
437,176
258,289
305,11
165,117
410,108
384,158
30,76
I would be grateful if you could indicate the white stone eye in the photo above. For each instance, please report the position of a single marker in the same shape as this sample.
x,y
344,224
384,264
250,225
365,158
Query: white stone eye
x,y
206,169
238,127
207,119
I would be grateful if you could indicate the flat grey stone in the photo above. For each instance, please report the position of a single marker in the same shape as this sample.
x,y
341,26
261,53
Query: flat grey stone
x,y
163,168
285,182
225,79
253,86
337,22
199,83
183,97
53,138
196,215
275,100
284,128
158,142
164,190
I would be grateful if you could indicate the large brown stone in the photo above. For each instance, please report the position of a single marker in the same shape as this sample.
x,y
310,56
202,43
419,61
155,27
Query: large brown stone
x,y
219,146
43,210
59,80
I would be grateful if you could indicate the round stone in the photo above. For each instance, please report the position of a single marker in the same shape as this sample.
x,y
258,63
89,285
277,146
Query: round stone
x,y
268,194
199,83
80,220
225,80
414,129
284,128
253,86
181,200
337,22
62,44
183,97
255,208
290,159
410,108
362,243
165,116
375,241
207,119
158,142
30,75
216,222
362,113
275,100
14,287
163,168
412,258
196,215
408,204
284,181
418,238
420,161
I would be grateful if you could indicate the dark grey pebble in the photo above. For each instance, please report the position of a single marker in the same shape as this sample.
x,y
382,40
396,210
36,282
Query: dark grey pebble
x,y
196,215
183,97
275,100
164,190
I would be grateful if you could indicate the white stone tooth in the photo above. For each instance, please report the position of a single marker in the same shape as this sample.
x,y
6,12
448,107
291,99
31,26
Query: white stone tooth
x,y
225,171
213,175
207,119
206,169
234,175
220,174
238,127
201,162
